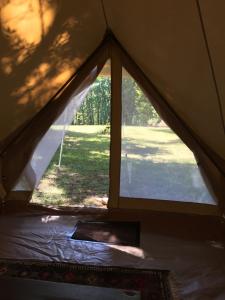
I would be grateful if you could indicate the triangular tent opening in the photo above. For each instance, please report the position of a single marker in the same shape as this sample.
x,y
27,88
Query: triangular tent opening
x,y
120,194
155,163
71,162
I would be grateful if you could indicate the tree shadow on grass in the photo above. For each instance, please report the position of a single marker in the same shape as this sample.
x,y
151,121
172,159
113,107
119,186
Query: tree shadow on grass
x,y
141,178
176,141
173,142
132,148
163,130
84,173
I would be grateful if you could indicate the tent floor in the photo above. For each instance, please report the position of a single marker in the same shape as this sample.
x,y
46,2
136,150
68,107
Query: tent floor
x,y
191,247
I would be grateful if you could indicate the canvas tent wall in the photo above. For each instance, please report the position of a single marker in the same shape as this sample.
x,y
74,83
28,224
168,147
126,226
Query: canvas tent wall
x,y
173,49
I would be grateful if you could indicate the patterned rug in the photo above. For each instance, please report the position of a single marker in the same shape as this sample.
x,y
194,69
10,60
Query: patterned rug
x,y
152,284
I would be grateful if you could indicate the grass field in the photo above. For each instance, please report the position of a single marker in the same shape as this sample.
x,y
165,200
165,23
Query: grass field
x,y
83,178
155,164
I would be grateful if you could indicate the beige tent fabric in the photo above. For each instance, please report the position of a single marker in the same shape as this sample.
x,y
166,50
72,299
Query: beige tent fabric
x,y
42,43
211,165
26,142
214,23
23,145
165,39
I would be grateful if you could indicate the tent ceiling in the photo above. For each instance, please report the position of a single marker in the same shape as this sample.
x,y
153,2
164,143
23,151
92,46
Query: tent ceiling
x,y
213,16
41,47
165,39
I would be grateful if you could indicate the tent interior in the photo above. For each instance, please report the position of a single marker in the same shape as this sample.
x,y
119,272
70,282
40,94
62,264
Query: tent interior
x,y
164,64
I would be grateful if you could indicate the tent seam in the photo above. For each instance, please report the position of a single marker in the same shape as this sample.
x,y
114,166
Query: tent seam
x,y
104,13
211,63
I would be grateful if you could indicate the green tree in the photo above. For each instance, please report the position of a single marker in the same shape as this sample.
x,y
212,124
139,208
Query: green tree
x,y
95,110
136,108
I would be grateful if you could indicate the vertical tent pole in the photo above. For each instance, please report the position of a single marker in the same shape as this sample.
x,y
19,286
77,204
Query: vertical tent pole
x,y
115,145
62,140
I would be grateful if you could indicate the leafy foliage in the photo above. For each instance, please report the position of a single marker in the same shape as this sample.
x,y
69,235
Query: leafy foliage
x,y
96,108
137,110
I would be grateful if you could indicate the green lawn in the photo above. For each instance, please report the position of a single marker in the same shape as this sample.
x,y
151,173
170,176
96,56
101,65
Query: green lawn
x,y
83,178
155,164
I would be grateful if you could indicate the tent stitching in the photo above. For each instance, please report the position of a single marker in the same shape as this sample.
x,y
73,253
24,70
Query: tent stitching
x,y
211,63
